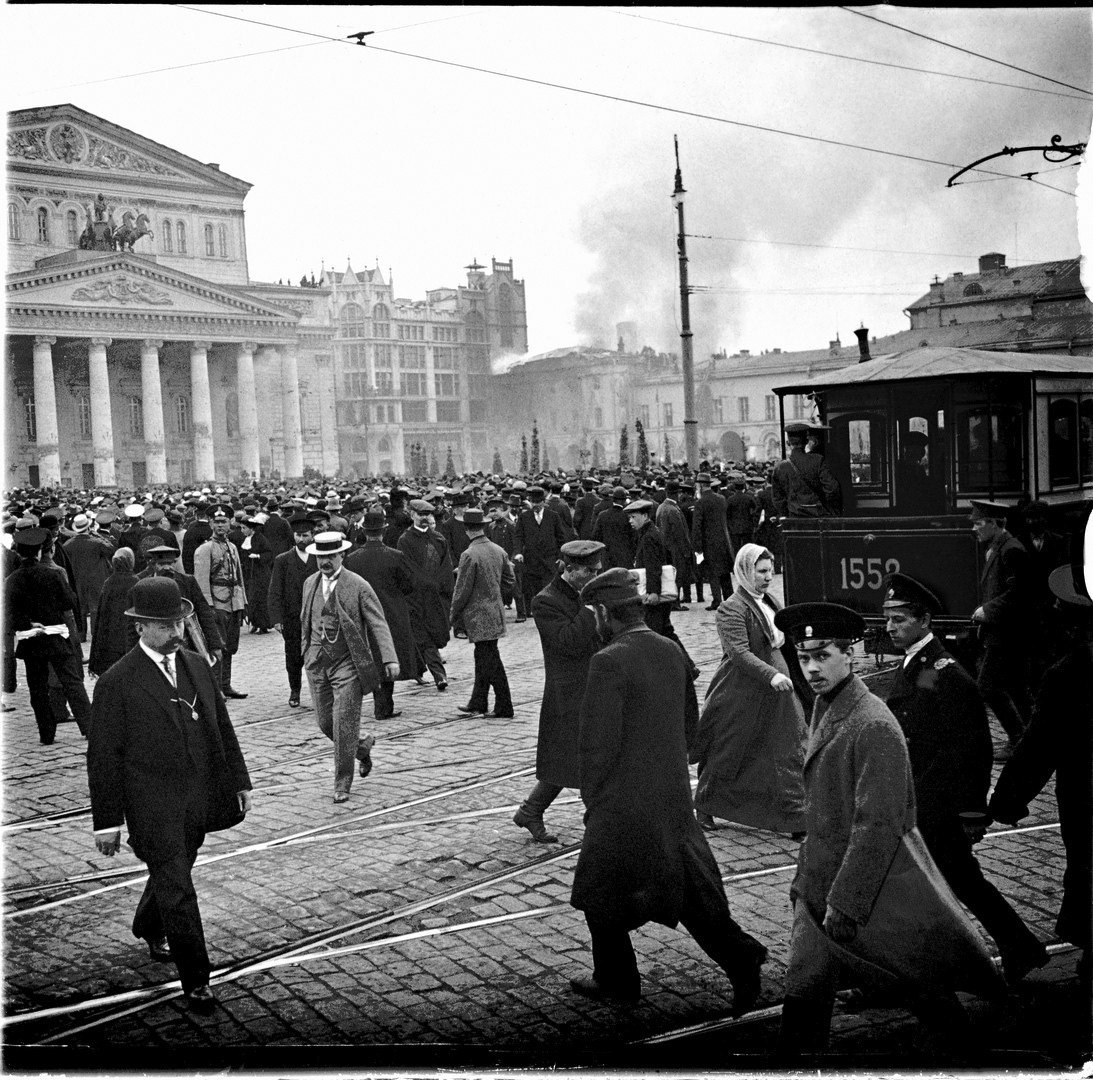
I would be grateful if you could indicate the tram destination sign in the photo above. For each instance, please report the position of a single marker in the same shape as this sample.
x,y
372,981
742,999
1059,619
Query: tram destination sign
x,y
844,561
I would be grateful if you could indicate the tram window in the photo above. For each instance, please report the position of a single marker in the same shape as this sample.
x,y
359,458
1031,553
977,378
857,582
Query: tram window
x,y
1085,438
1062,420
865,445
989,450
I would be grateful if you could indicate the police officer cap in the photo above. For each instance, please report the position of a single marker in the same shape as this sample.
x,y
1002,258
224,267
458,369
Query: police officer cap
x,y
819,622
153,515
222,512
640,506
582,551
420,506
374,521
612,587
900,590
105,517
30,539
163,549
983,509
474,517
134,510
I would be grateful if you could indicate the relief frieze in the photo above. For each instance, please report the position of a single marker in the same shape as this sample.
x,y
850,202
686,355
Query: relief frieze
x,y
121,289
107,155
29,144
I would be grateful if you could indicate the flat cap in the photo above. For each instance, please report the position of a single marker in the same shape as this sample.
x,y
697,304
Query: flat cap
x,y
30,539
420,506
163,549
819,622
612,587
640,506
582,550
153,515
901,590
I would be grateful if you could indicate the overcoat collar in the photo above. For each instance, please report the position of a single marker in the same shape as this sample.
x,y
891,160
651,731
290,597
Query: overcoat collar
x,y
825,726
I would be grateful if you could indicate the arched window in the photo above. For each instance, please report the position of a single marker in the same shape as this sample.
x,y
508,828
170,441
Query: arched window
x,y
210,247
973,289
43,225
180,232
72,228
231,414
381,327
167,232
182,414
14,231
223,231
352,321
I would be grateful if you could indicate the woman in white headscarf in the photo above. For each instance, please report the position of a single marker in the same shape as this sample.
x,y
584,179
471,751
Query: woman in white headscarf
x,y
751,735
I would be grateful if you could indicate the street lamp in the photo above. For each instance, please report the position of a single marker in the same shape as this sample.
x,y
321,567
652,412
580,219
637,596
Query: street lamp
x,y
690,422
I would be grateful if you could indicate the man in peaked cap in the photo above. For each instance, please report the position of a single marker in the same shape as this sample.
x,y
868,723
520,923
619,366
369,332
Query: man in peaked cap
x,y
567,633
644,857
219,572
1003,616
803,485
871,899
948,738
37,598
163,759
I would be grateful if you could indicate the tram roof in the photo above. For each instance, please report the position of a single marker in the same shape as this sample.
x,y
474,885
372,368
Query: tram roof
x,y
941,363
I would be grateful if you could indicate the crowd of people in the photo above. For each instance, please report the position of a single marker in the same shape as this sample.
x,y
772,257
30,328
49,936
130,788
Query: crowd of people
x,y
368,583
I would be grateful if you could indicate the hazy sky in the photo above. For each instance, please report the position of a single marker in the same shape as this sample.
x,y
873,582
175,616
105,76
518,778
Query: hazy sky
x,y
365,154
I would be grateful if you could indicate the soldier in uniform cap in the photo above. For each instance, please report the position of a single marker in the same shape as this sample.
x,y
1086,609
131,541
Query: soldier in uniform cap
x,y
567,632
948,738
803,485
219,573
1004,615
643,857
866,894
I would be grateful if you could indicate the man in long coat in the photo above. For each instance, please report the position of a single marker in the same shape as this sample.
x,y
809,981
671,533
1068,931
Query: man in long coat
x,y
567,632
484,569
802,484
286,597
866,894
643,857
677,537
163,759
1003,617
347,650
89,556
502,531
427,553
710,536
612,529
389,574
539,538
584,510
278,529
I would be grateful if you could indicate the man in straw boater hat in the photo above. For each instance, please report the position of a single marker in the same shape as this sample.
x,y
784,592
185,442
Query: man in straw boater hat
x,y
347,651
644,857
163,759
867,897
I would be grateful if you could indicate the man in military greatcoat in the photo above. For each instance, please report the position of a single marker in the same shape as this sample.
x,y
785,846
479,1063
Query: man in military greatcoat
x,y
567,632
219,572
643,857
390,576
948,738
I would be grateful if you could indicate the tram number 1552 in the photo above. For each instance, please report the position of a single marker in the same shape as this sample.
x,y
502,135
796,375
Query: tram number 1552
x,y
859,574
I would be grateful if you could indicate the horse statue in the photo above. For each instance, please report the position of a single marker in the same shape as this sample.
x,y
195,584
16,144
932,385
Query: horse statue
x,y
129,232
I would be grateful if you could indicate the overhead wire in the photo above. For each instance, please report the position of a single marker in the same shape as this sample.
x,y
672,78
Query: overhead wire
x,y
969,52
834,247
620,99
845,56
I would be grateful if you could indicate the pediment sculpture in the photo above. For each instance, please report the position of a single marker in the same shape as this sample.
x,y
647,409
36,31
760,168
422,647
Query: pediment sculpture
x,y
121,289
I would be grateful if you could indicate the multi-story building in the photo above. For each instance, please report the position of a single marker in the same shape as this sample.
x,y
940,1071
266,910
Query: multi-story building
x,y
139,352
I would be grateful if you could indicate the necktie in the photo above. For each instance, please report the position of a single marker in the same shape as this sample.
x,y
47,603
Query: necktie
x,y
170,670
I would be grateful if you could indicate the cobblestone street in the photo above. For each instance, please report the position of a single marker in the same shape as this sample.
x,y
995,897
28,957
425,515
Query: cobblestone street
x,y
415,924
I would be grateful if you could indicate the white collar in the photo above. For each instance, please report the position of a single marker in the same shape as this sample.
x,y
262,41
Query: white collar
x,y
157,657
916,648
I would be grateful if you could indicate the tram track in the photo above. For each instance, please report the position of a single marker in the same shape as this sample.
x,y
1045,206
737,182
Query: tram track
x,y
311,948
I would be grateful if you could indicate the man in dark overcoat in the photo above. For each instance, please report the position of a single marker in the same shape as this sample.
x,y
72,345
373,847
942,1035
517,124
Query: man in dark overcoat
x,y
567,632
539,538
278,530
163,759
1046,550
286,597
710,536
427,553
197,532
643,857
502,531
677,537
948,738
612,529
392,580
742,512
555,502
802,484
1006,590
584,510
89,556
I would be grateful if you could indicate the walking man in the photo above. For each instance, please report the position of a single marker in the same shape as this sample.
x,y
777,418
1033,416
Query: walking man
x,y
567,632
427,553
347,652
286,598
163,759
219,573
644,857
539,538
710,533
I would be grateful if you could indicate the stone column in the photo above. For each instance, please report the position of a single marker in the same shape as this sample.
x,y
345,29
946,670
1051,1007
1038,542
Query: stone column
x,y
202,411
102,423
266,366
151,390
45,413
248,409
290,414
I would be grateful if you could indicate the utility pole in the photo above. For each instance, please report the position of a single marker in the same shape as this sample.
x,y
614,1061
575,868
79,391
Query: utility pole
x,y
690,421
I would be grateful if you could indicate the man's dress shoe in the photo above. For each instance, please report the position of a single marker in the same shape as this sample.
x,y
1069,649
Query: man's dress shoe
x,y
535,826
470,710
746,985
294,701
341,796
391,715
201,1000
232,693
442,686
591,988
159,950
364,755
495,715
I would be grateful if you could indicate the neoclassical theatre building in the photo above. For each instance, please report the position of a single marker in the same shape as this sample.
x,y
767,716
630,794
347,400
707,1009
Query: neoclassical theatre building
x,y
139,352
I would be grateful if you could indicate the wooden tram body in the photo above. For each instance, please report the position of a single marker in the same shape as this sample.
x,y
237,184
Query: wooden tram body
x,y
999,425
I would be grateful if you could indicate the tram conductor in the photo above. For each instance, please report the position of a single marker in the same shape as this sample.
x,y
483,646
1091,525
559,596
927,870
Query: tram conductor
x,y
163,759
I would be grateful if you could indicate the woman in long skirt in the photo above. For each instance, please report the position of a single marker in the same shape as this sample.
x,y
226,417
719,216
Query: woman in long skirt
x,y
752,732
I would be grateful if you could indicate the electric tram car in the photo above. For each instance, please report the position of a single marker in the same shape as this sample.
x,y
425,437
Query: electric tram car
x,y
913,438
